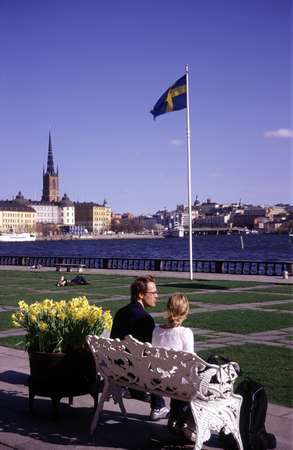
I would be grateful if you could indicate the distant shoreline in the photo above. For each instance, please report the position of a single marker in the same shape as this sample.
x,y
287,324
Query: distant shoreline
x,y
99,236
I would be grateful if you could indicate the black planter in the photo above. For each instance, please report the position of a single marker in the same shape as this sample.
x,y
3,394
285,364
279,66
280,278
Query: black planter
x,y
58,375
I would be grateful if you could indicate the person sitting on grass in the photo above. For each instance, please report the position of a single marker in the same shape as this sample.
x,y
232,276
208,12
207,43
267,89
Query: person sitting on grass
x,y
62,282
79,279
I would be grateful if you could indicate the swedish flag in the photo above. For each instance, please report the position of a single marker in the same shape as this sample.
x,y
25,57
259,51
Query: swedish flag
x,y
173,99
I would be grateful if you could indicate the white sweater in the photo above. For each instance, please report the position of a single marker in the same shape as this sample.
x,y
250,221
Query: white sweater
x,y
176,338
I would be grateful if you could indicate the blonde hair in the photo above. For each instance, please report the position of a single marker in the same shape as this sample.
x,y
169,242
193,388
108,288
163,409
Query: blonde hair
x,y
177,310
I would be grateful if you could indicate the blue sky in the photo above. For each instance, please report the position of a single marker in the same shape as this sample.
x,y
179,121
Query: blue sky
x,y
91,70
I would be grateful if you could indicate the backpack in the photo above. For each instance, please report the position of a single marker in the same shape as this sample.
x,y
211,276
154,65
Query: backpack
x,y
252,419
252,414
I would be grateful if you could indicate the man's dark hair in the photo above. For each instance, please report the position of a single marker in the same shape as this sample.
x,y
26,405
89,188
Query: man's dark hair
x,y
140,286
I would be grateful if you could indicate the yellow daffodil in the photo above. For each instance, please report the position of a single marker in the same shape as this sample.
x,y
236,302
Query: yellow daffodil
x,y
64,325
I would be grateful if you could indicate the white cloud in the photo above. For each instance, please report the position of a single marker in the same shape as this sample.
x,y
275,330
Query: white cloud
x,y
281,133
177,142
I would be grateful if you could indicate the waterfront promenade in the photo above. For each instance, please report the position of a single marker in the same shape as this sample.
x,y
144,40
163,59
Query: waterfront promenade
x,y
19,430
168,274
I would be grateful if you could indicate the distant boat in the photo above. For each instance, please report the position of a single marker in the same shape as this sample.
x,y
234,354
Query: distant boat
x,y
174,232
17,237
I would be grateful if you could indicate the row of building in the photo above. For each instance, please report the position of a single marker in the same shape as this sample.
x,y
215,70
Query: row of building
x,y
21,215
52,215
55,215
212,217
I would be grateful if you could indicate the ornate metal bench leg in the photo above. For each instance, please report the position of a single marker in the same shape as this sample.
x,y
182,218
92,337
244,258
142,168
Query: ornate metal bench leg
x,y
202,431
116,392
238,439
99,408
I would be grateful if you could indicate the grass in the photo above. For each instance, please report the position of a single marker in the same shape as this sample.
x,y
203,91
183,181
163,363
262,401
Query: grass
x,y
33,286
114,305
282,306
280,288
5,320
201,337
13,341
268,365
230,298
239,321
183,285
272,366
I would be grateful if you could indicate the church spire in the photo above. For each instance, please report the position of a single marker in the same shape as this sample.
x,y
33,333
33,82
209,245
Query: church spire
x,y
50,163
50,178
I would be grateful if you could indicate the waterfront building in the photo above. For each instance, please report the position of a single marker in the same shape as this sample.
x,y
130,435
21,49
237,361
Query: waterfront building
x,y
213,221
260,222
50,178
272,226
256,211
276,211
93,217
66,211
207,207
46,212
16,217
61,214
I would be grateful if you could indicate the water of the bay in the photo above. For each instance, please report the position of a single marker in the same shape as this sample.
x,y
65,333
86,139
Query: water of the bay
x,y
267,247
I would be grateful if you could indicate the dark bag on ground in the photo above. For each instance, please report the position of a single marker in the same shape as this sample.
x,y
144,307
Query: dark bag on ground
x,y
252,419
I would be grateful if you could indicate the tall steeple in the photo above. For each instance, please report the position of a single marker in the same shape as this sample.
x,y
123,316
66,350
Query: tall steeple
x,y
50,163
50,178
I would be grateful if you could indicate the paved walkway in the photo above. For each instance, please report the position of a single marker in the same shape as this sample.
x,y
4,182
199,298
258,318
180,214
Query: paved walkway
x,y
19,430
196,275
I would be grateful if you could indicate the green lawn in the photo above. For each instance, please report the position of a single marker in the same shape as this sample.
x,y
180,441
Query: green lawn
x,y
34,286
282,306
239,321
230,298
270,366
5,320
167,285
13,341
280,288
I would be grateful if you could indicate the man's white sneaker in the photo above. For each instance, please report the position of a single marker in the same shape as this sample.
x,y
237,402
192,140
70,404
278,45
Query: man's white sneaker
x,y
157,414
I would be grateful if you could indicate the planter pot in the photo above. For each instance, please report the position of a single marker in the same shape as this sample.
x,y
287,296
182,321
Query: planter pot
x,y
58,375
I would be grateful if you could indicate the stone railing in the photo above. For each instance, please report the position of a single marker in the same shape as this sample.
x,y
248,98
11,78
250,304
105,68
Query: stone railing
x,y
240,267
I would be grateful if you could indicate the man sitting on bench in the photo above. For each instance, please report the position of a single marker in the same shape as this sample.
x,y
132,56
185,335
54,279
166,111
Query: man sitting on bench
x,y
135,320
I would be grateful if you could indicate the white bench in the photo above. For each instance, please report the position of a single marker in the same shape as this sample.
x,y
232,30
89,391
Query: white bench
x,y
177,374
70,267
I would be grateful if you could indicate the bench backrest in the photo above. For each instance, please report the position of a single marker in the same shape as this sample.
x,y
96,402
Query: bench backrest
x,y
171,373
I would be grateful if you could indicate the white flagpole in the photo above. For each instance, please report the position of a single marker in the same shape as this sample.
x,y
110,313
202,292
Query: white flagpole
x,y
189,172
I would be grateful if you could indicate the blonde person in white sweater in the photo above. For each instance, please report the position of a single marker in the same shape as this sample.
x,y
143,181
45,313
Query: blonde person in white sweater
x,y
173,335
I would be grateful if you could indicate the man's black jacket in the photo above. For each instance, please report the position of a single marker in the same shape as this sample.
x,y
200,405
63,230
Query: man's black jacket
x,y
133,319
